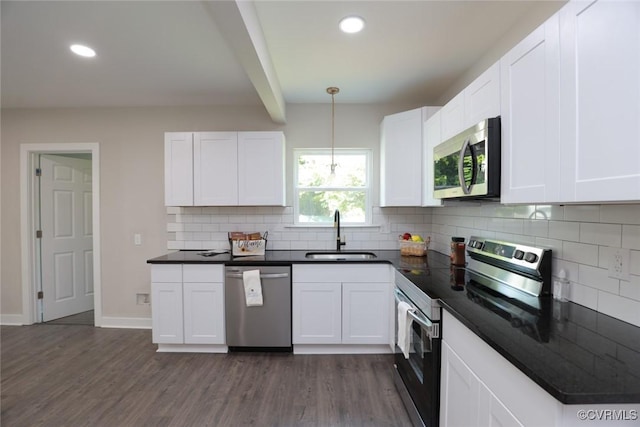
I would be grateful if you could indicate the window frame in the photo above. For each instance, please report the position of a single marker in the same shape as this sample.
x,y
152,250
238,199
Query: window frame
x,y
368,208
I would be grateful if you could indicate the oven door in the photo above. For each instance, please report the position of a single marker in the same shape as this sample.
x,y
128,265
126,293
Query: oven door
x,y
418,377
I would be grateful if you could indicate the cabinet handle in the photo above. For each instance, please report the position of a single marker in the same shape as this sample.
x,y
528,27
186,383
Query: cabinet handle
x,y
262,276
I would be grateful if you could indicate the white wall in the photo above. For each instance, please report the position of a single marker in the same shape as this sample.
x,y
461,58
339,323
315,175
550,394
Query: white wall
x,y
131,153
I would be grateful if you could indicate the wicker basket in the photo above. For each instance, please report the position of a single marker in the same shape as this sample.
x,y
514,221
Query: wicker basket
x,y
247,244
411,248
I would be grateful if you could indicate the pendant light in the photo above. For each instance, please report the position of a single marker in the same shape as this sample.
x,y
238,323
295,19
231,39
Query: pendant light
x,y
332,91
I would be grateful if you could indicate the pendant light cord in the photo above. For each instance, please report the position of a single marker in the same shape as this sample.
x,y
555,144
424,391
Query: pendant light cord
x,y
332,91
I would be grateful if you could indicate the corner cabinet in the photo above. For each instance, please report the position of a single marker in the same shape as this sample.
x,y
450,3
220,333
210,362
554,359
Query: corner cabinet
x,y
401,157
530,125
224,169
342,309
187,307
600,93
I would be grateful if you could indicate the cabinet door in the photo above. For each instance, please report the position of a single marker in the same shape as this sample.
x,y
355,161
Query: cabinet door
x,y
492,412
166,313
600,100
452,117
431,138
482,97
365,313
317,313
203,313
261,168
530,124
178,169
401,159
459,392
215,170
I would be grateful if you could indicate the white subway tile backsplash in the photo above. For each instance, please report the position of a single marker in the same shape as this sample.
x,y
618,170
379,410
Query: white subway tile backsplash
x,y
582,213
581,253
564,230
601,234
631,236
581,237
536,228
619,307
598,278
630,289
584,295
620,214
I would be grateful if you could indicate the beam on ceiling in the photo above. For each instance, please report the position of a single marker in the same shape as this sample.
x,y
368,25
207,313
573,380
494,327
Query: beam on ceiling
x,y
239,24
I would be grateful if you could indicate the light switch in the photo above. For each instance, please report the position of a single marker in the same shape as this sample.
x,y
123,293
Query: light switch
x,y
137,239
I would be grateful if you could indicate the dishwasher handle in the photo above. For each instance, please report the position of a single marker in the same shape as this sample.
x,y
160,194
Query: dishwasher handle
x,y
262,276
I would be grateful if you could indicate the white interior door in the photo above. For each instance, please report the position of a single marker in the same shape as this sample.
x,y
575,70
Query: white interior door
x,y
67,241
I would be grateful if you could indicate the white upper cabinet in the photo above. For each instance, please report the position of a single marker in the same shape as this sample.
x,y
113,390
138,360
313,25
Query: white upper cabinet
x,y
482,97
530,124
452,117
600,100
261,168
478,101
431,138
178,169
224,169
401,167
215,168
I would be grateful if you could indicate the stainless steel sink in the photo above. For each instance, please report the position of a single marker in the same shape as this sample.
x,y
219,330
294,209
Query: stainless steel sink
x,y
340,256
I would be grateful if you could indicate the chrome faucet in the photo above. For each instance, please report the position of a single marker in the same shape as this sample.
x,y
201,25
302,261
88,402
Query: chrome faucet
x,y
336,223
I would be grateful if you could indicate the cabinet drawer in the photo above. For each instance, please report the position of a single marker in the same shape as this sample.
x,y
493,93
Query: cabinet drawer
x,y
166,273
203,273
342,273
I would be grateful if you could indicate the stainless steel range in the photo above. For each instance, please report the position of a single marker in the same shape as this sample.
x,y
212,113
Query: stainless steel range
x,y
512,280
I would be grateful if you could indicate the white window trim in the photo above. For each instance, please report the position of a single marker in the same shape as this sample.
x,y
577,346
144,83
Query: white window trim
x,y
367,190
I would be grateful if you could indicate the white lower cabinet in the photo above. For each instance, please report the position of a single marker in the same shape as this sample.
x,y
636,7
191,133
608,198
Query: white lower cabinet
x,y
317,313
481,388
466,401
187,306
346,305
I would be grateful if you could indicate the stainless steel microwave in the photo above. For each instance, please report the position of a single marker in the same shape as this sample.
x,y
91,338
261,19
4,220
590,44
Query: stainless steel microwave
x,y
468,164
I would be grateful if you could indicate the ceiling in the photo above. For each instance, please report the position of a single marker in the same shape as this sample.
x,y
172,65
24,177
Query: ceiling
x,y
194,53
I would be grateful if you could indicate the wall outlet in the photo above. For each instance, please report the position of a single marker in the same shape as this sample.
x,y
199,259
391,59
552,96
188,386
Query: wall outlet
x,y
143,299
619,264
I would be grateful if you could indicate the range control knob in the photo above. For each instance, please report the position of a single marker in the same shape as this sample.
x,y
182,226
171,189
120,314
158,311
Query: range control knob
x,y
530,257
518,254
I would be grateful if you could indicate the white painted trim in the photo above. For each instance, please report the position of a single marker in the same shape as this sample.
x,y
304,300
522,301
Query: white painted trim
x,y
341,349
27,228
192,348
126,322
11,319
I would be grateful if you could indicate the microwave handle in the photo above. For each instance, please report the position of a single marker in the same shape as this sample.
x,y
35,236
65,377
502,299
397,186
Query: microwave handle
x,y
466,189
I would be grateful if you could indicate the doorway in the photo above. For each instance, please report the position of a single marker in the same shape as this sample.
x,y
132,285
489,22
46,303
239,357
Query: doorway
x,y
60,233
64,243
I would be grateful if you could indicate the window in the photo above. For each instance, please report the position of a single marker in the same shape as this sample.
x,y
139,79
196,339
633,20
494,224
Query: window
x,y
317,193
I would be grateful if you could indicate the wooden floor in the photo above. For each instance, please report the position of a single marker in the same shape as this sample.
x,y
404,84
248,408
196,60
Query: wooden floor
x,y
66,375
85,318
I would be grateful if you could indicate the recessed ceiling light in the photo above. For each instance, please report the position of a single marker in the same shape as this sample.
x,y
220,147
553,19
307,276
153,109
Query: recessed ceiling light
x,y
82,50
352,24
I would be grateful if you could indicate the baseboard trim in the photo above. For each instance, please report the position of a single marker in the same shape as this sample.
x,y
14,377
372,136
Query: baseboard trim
x,y
126,322
341,349
192,348
11,320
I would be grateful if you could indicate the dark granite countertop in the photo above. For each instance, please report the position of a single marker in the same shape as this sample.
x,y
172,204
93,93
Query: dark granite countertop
x,y
576,354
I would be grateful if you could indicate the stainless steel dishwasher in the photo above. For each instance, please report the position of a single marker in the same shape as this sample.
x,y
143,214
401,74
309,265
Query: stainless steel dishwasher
x,y
259,328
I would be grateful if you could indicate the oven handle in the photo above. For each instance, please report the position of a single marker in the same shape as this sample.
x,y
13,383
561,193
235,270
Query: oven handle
x,y
432,329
